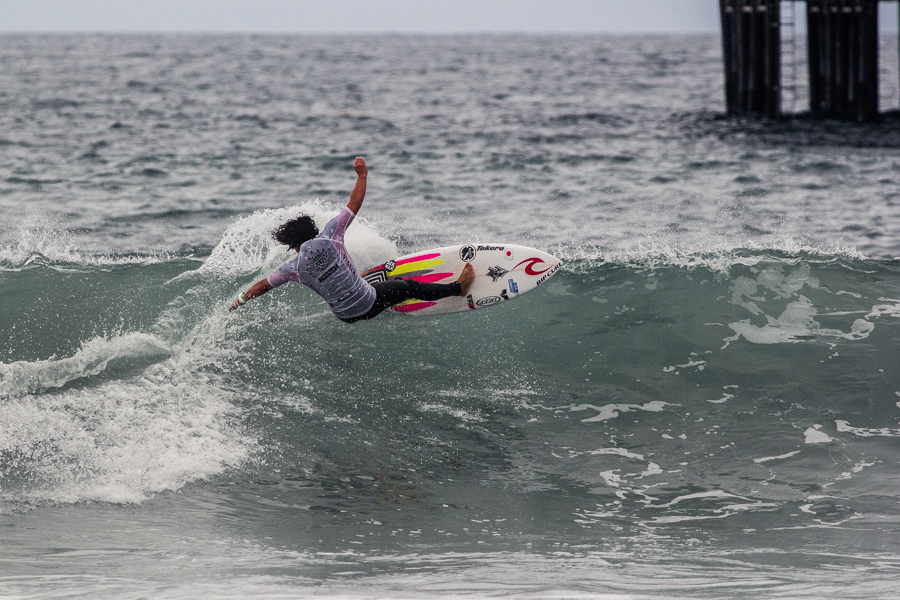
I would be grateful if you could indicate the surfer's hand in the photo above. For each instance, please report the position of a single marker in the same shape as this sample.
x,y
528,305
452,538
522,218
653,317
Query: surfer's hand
x,y
241,300
360,166
258,289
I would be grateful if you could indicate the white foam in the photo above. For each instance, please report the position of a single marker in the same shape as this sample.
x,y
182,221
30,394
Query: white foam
x,y
611,478
120,441
700,364
845,427
712,495
885,310
795,324
614,477
857,468
611,411
814,436
779,457
725,398
618,452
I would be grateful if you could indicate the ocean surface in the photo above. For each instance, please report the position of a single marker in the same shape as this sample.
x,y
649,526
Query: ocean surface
x,y
703,403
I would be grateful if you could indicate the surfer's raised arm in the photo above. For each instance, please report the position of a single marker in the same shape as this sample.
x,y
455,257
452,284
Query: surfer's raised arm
x,y
359,192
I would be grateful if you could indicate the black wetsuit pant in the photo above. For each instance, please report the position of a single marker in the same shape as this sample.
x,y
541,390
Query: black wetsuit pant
x,y
395,291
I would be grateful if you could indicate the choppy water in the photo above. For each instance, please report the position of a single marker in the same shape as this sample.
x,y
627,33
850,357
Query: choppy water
x,y
705,401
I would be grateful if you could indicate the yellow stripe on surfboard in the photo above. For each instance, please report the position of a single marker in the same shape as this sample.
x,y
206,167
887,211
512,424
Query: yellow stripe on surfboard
x,y
408,302
416,266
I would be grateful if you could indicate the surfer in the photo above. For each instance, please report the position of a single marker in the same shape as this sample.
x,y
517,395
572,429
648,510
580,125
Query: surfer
x,y
324,265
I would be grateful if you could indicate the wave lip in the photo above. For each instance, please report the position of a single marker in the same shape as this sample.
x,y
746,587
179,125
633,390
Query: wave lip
x,y
39,240
718,258
95,356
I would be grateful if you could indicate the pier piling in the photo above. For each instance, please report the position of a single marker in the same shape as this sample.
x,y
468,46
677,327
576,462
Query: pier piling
x,y
842,52
843,58
751,39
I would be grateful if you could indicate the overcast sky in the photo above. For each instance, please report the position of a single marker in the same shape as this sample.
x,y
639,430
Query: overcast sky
x,y
347,16
428,16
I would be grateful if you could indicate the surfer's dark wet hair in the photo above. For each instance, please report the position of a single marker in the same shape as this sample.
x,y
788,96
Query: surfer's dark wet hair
x,y
296,231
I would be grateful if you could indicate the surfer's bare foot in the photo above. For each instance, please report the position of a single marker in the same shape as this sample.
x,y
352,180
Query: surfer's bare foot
x,y
466,278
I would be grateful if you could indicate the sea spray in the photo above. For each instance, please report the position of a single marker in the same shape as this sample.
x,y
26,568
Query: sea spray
x,y
247,245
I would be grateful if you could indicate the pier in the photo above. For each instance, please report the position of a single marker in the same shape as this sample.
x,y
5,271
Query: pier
x,y
842,51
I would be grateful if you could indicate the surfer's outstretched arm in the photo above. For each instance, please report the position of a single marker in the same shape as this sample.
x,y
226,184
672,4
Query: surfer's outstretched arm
x,y
259,288
359,192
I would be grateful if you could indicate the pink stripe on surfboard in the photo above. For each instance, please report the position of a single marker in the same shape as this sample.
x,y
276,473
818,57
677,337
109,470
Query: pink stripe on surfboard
x,y
415,258
431,278
408,308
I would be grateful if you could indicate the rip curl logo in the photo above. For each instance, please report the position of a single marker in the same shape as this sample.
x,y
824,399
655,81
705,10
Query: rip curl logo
x,y
319,260
496,273
467,253
548,274
530,266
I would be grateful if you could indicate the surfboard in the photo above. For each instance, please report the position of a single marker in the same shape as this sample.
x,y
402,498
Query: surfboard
x,y
503,272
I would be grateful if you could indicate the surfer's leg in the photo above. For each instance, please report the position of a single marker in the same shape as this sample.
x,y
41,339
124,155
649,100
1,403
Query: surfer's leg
x,y
389,293
431,291
395,291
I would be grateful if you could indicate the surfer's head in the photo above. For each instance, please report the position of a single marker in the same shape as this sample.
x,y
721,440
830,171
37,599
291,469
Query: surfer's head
x,y
296,231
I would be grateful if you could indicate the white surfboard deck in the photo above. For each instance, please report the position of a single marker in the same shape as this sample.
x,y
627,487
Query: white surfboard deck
x,y
503,272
